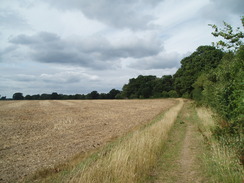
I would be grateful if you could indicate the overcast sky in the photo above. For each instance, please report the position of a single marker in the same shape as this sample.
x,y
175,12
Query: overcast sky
x,y
77,46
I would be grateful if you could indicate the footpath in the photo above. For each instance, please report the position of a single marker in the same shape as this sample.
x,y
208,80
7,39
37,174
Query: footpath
x,y
180,161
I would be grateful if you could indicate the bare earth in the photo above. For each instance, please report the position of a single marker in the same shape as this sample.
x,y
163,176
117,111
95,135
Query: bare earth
x,y
40,134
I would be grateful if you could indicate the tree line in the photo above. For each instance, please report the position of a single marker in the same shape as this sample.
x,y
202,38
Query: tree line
x,y
113,94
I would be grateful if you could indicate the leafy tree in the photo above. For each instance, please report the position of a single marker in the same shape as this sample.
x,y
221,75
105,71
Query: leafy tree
x,y
18,96
3,98
165,94
172,94
55,96
45,96
77,96
222,88
167,83
36,97
119,96
203,59
112,94
147,87
93,95
140,87
103,96
28,97
232,39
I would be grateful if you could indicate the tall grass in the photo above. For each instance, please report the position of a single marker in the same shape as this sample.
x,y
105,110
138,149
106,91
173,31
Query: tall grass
x,y
131,160
207,124
221,161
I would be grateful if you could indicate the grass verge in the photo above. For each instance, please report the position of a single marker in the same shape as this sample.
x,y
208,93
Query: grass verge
x,y
220,161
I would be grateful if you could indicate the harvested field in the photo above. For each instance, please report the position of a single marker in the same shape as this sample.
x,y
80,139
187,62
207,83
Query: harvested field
x,y
36,135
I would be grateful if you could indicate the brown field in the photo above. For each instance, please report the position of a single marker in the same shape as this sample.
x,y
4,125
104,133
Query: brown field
x,y
36,135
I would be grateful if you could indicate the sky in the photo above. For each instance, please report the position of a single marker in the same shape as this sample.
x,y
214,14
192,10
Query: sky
x,y
78,46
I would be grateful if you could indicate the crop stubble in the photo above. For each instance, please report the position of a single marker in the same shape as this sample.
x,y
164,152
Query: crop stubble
x,y
40,134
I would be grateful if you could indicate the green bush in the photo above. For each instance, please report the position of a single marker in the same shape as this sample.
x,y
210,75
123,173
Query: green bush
x,y
172,94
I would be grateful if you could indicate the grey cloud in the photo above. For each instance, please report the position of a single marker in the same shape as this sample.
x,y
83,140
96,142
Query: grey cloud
x,y
120,13
68,77
96,53
25,78
161,61
10,54
23,39
42,37
66,57
7,50
219,10
11,19
235,6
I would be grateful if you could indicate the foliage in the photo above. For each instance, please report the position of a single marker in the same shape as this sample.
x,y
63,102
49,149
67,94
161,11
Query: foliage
x,y
3,97
232,40
172,94
113,94
93,95
221,162
222,88
147,87
203,59
140,87
18,96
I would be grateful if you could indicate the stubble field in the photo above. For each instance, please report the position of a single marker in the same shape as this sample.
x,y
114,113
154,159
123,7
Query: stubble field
x,y
36,135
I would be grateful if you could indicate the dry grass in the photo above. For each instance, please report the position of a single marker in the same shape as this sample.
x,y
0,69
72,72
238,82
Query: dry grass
x,y
36,135
221,162
207,123
131,159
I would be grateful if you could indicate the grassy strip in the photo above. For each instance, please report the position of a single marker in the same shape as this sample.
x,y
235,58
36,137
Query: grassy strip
x,y
220,161
169,168
164,170
130,160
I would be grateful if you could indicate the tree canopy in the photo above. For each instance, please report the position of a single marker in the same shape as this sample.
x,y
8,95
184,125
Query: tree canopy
x,y
18,96
203,59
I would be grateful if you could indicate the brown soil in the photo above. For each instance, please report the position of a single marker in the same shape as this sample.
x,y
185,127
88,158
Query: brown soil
x,y
35,135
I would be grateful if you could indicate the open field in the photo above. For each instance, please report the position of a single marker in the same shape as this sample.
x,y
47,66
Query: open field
x,y
40,134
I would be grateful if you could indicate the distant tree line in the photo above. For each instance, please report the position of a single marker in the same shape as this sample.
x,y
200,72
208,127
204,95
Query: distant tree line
x,y
113,94
3,97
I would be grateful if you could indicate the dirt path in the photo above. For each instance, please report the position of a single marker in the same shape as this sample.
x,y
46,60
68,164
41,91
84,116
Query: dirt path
x,y
180,162
188,171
